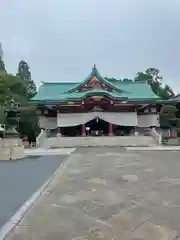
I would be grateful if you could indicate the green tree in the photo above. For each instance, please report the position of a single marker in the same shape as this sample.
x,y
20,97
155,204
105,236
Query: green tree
x,y
168,91
2,115
2,66
29,124
12,87
168,118
142,77
154,74
153,78
151,75
167,115
25,75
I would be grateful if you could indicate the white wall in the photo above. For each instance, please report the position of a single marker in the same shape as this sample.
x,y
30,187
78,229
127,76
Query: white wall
x,y
48,122
148,120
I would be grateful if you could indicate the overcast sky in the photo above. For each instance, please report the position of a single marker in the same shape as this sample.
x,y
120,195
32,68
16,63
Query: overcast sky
x,y
62,39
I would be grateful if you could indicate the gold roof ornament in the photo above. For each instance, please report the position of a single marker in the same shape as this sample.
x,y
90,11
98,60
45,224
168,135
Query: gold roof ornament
x,y
94,79
97,97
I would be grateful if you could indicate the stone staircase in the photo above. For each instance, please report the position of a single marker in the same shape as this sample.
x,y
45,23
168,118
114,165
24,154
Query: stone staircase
x,y
119,141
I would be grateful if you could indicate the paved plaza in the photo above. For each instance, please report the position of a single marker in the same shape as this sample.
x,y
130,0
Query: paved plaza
x,y
109,193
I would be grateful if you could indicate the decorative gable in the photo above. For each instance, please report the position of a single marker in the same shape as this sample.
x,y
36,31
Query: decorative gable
x,y
94,83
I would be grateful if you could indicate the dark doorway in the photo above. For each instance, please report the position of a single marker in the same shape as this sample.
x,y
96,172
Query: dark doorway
x,y
97,127
123,130
71,131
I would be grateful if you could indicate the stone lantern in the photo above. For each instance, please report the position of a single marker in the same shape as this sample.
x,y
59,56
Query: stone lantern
x,y
12,120
13,147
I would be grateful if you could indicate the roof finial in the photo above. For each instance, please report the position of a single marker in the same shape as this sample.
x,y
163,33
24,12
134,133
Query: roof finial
x,y
94,70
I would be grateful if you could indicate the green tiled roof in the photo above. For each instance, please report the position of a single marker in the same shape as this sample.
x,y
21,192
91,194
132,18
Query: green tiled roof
x,y
172,100
123,90
139,90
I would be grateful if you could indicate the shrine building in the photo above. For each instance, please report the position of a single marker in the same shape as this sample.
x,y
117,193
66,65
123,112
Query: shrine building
x,y
109,107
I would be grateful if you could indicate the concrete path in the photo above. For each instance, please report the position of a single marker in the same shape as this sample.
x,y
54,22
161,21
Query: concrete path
x,y
154,148
42,151
20,179
109,193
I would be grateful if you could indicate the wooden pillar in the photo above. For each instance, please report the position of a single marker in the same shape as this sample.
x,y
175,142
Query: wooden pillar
x,y
110,130
83,130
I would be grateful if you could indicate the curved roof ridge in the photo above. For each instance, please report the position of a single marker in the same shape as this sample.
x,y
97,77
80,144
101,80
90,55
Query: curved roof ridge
x,y
95,73
59,82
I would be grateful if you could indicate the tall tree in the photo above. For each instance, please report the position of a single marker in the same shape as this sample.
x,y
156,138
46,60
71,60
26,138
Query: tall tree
x,y
19,88
154,73
2,65
167,116
28,124
12,87
169,119
151,75
142,77
25,74
153,78
2,115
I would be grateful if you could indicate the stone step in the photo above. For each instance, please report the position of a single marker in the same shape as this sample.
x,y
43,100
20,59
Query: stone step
x,y
122,141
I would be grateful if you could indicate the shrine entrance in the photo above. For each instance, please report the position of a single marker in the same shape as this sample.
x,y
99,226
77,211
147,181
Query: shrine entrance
x,y
97,127
96,124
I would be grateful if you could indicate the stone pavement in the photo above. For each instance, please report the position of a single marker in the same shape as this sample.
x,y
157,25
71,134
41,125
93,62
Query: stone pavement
x,y
103,141
109,193
41,151
155,148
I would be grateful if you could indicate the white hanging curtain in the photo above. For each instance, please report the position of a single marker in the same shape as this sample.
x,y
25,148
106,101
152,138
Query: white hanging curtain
x,y
148,120
75,119
124,119
47,122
